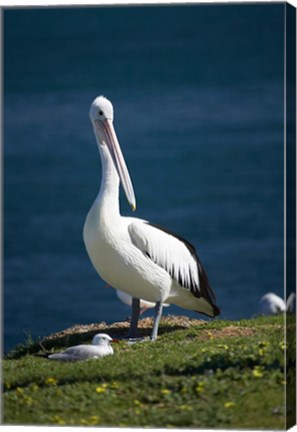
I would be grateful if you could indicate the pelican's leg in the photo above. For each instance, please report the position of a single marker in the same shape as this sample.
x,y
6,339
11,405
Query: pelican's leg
x,y
159,310
134,318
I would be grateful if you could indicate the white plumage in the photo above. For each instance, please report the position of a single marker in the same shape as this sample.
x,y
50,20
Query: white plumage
x,y
166,251
141,259
272,304
100,347
127,299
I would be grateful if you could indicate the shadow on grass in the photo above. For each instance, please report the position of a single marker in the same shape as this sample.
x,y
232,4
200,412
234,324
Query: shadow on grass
x,y
217,363
221,362
77,337
172,323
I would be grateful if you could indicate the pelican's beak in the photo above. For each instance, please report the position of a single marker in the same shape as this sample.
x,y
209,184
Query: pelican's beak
x,y
105,134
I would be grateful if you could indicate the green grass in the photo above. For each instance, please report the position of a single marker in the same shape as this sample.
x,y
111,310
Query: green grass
x,y
222,374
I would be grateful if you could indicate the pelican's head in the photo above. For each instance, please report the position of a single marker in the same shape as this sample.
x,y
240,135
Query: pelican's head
x,y
101,109
101,339
101,115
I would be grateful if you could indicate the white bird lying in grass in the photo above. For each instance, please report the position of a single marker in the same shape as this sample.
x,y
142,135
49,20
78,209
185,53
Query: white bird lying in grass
x,y
100,347
144,305
272,304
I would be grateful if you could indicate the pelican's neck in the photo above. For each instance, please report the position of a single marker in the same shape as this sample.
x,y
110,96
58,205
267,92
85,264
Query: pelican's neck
x,y
108,197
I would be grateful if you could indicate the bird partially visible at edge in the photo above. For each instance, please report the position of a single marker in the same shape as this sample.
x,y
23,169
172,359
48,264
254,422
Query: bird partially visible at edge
x,y
272,304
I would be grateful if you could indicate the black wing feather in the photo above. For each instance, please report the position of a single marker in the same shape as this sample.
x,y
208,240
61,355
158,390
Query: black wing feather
x,y
205,289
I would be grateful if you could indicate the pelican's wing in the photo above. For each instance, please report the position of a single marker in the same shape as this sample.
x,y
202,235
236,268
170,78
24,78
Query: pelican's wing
x,y
175,255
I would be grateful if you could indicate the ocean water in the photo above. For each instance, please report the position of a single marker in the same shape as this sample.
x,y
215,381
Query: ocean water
x,y
198,98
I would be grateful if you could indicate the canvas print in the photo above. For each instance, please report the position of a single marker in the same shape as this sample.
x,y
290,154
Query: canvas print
x,y
149,216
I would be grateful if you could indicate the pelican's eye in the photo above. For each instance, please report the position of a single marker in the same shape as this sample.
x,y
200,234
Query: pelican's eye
x,y
101,113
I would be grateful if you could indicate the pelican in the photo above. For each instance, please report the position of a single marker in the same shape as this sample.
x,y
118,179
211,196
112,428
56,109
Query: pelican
x,y
100,348
133,255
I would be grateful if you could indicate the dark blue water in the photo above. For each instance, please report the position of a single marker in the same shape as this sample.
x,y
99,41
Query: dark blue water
x,y
198,97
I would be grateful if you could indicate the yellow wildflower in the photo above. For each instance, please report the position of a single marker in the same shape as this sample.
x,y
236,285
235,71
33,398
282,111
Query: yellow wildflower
x,y
28,400
19,390
223,346
57,419
94,419
185,408
282,345
51,381
165,391
229,404
210,335
100,389
200,387
257,372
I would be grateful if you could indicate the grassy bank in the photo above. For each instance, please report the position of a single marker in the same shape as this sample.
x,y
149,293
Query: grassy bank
x,y
219,374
